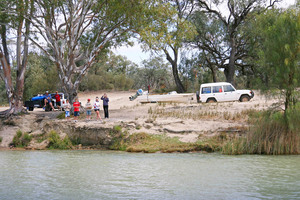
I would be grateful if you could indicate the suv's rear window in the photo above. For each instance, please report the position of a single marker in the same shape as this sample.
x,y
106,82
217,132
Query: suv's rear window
x,y
228,88
217,89
206,90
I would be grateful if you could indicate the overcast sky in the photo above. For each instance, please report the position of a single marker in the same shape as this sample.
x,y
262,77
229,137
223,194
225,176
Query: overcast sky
x,y
136,54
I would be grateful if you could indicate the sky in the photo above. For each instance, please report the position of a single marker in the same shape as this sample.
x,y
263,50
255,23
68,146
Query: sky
x,y
135,53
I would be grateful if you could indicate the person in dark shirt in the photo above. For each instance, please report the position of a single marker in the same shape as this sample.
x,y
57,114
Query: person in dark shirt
x,y
105,100
47,99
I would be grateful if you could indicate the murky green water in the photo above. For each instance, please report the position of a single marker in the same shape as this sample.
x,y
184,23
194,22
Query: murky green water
x,y
118,175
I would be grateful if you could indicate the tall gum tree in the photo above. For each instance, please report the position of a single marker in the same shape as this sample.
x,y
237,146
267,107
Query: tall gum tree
x,y
76,31
15,18
168,32
231,51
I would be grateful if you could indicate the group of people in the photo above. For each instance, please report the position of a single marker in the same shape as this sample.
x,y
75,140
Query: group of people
x,y
76,105
88,107
47,99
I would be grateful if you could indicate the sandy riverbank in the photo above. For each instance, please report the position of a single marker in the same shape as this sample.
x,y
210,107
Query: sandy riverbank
x,y
189,121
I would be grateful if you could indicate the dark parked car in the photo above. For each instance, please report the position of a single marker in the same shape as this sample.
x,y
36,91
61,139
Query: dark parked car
x,y
38,102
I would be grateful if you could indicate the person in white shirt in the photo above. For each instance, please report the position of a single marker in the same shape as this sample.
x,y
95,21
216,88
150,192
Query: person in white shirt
x,y
67,108
97,108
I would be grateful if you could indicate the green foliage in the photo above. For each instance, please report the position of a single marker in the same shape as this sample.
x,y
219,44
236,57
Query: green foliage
x,y
19,134
154,72
118,141
41,76
110,72
148,143
55,142
1,138
3,97
117,128
21,140
279,52
166,27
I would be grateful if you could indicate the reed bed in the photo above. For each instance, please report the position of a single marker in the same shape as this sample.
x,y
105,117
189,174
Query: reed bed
x,y
272,133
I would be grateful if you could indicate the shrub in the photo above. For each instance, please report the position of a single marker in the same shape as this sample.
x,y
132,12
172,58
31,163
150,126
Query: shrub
x,y
55,142
21,140
118,141
1,139
61,115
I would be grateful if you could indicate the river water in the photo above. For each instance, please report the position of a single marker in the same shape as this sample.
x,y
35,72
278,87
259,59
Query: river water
x,y
120,175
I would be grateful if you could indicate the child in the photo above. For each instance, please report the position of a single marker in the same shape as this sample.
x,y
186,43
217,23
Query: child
x,y
67,108
88,107
76,106
97,108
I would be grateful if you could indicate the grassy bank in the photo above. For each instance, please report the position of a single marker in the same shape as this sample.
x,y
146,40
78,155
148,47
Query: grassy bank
x,y
149,143
271,133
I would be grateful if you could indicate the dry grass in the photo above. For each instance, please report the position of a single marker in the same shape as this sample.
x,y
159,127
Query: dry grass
x,y
197,113
270,135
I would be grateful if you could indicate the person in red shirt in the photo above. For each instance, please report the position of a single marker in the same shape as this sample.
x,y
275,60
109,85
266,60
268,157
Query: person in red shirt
x,y
57,98
76,106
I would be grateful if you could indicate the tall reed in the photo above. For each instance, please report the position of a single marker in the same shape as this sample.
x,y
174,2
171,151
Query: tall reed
x,y
272,133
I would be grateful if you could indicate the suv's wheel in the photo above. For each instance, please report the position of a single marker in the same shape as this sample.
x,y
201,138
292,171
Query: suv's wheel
x,y
244,98
211,100
30,108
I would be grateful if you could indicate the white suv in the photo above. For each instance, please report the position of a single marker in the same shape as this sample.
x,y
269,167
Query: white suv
x,y
222,91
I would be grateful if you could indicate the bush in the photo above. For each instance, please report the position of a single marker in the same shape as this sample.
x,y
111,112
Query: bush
x,y
55,142
21,140
1,139
118,141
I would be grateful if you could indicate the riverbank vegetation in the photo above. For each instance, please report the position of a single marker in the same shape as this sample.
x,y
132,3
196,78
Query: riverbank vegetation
x,y
149,143
271,133
21,139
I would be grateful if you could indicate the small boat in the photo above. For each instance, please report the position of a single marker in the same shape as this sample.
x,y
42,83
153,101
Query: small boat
x,y
170,97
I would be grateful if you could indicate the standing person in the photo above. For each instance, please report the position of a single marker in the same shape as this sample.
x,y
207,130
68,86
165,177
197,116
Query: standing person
x,y
76,106
57,99
48,100
97,108
67,108
88,107
105,100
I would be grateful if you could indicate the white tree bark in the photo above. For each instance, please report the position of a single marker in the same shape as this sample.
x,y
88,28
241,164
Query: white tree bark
x,y
62,29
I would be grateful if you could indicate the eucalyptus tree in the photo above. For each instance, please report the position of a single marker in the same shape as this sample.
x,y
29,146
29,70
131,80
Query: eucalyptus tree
x,y
279,52
167,33
154,72
220,38
77,31
15,24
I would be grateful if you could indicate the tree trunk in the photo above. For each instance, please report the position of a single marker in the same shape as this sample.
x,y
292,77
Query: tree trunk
x,y
14,99
15,95
214,74
231,65
177,80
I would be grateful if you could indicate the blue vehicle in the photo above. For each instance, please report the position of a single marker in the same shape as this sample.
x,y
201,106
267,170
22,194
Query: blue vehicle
x,y
38,102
